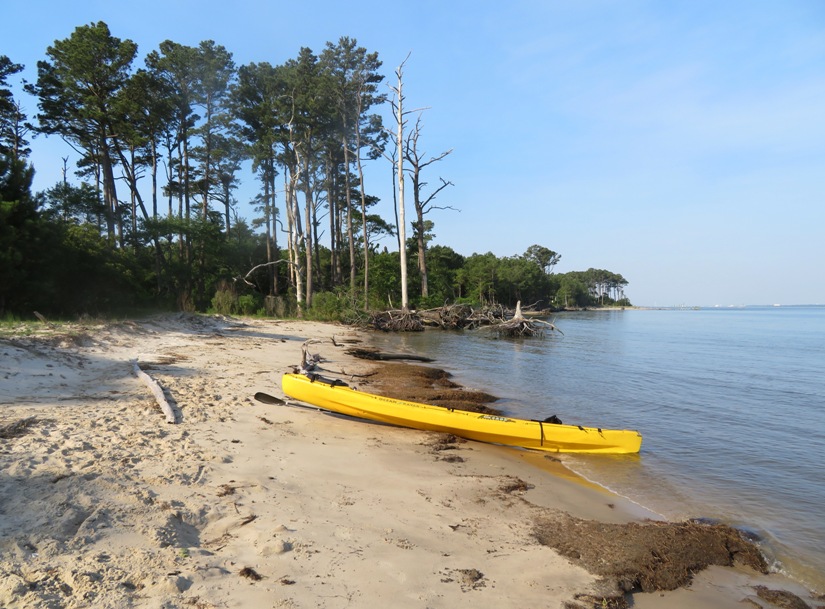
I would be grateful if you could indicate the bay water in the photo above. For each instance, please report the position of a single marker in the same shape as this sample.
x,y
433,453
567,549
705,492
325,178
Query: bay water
x,y
730,403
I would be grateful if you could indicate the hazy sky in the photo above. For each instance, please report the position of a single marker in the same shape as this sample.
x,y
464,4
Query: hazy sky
x,y
679,143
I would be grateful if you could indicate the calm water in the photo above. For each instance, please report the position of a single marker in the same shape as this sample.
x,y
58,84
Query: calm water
x,y
730,402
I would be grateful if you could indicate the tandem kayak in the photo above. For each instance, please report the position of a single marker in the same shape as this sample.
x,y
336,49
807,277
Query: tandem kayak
x,y
340,398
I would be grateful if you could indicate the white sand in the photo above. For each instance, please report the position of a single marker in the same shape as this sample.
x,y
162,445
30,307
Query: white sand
x,y
104,504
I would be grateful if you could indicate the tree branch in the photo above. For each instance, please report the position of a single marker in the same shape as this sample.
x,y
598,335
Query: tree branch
x,y
255,268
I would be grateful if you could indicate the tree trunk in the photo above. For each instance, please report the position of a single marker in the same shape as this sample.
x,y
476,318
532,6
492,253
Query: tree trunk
x,y
207,162
158,255
227,193
273,215
402,231
267,214
154,180
133,201
307,231
363,210
109,191
350,235
333,218
422,255
296,237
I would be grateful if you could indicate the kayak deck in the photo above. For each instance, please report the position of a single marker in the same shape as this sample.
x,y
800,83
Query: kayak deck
x,y
471,425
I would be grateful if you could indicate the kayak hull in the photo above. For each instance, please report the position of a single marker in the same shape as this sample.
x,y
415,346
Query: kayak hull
x,y
471,425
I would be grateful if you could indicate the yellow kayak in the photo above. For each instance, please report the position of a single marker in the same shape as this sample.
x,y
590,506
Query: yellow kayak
x,y
472,425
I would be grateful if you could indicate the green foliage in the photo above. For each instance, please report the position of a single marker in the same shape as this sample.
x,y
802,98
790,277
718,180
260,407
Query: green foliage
x,y
572,292
385,281
224,302
443,265
89,277
544,257
78,203
478,278
248,304
593,287
89,249
78,88
13,127
331,306
21,235
521,279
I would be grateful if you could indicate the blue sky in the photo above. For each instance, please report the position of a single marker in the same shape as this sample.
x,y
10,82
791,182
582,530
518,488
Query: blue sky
x,y
679,143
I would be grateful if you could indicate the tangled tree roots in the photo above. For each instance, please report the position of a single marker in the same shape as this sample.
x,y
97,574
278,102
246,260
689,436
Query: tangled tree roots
x,y
519,326
453,317
460,317
396,321
463,317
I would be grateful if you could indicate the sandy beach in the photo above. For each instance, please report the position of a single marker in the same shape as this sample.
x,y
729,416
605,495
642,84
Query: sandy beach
x,y
244,504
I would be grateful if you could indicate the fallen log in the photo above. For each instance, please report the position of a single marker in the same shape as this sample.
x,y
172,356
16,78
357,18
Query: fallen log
x,y
373,354
157,391
44,320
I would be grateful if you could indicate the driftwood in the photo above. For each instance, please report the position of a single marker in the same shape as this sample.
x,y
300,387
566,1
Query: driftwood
x,y
157,391
374,354
43,319
396,321
463,316
310,365
309,361
451,317
497,318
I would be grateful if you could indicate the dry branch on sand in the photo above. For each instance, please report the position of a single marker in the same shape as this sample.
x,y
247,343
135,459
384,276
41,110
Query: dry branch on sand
x,y
309,361
157,391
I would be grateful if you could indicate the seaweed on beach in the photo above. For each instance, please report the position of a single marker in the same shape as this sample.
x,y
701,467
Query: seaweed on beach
x,y
648,556
428,385
17,429
250,573
781,598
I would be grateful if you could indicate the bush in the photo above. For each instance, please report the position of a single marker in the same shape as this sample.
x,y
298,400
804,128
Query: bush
x,y
330,306
227,302
224,302
276,306
248,304
431,302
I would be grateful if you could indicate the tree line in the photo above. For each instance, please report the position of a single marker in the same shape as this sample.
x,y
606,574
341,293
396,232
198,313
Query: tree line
x,y
153,219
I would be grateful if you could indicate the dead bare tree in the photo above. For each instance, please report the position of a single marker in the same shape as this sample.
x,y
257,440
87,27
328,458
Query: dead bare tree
x,y
296,236
422,205
398,111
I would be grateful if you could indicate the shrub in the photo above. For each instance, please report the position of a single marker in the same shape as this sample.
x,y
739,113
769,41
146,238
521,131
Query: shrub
x,y
330,306
224,302
248,304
